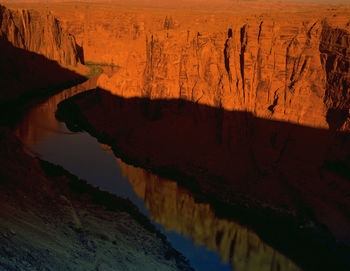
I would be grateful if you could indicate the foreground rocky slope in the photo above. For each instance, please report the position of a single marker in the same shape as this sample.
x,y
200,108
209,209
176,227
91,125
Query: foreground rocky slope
x,y
51,220
36,54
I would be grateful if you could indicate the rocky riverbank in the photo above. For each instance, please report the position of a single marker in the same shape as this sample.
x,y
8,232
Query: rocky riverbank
x,y
52,220
179,140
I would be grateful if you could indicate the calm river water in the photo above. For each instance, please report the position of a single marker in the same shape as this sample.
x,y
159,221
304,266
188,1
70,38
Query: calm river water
x,y
208,242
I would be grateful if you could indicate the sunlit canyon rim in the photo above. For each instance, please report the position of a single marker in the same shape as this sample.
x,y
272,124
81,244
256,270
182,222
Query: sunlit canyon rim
x,y
241,109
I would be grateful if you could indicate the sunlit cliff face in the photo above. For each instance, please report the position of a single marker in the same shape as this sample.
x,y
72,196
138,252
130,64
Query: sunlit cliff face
x,y
39,32
295,72
175,208
276,64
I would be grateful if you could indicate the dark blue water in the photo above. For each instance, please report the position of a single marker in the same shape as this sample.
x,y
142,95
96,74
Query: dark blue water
x,y
192,228
83,156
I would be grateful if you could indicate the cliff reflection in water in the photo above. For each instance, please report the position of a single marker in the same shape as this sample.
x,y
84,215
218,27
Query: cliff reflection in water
x,y
40,123
176,209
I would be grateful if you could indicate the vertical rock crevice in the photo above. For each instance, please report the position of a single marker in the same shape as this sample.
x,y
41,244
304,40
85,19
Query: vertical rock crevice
x,y
335,56
227,54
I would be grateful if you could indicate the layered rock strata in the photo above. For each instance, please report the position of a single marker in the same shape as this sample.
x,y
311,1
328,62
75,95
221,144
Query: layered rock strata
x,y
39,32
37,55
297,73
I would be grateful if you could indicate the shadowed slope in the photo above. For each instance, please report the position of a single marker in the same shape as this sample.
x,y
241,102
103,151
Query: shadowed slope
x,y
35,54
293,178
25,74
51,220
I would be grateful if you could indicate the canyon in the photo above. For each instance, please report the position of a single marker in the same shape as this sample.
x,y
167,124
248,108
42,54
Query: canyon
x,y
49,218
261,57
246,105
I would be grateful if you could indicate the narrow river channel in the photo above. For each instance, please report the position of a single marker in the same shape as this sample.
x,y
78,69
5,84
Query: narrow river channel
x,y
210,243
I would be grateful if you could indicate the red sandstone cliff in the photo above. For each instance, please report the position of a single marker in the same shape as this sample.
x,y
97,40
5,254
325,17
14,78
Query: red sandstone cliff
x,y
280,68
277,69
39,32
36,54
272,59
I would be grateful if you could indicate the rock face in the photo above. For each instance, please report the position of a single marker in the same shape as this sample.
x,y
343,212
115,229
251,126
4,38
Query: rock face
x,y
291,66
295,72
40,33
36,54
254,108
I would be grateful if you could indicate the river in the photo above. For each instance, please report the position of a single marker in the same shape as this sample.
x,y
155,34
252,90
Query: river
x,y
210,243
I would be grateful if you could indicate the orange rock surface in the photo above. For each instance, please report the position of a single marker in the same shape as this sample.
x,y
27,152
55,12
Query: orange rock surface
x,y
39,32
36,54
292,71
282,61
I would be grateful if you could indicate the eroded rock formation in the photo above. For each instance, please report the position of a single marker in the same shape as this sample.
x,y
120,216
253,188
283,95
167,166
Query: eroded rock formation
x,y
36,54
296,72
41,33
291,66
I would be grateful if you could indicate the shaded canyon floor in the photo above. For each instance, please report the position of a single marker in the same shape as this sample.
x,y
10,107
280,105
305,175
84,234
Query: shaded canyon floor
x,y
293,178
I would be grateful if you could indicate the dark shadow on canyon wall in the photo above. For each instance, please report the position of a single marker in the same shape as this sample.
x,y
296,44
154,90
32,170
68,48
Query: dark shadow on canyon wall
x,y
80,54
25,75
289,183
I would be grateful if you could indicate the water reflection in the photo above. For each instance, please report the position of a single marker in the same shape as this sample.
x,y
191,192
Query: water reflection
x,y
40,122
191,227
175,208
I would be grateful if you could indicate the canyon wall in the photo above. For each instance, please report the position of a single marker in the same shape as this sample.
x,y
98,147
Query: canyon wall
x,y
245,110
247,104
275,60
295,72
37,54
39,32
